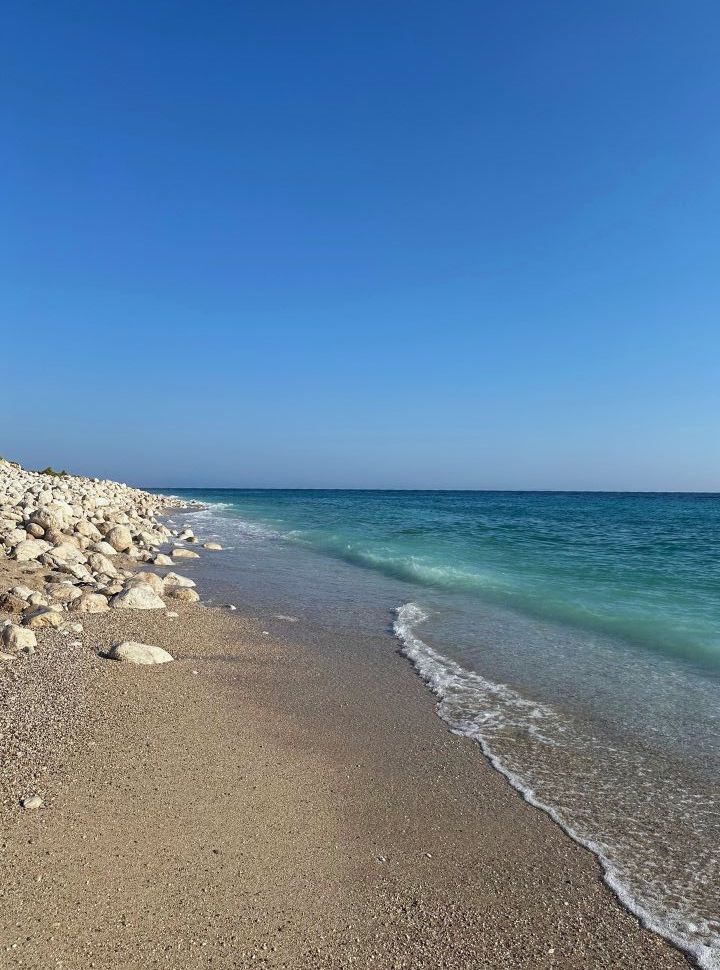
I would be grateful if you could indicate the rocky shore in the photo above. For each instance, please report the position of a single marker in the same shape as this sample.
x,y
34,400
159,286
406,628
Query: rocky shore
x,y
71,547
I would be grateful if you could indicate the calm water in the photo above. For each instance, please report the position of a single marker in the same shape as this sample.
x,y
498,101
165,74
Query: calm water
x,y
576,637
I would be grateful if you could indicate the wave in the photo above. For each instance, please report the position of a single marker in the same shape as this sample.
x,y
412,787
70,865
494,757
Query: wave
x,y
478,708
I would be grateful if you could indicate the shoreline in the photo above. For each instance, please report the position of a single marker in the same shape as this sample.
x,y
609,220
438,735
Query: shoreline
x,y
259,792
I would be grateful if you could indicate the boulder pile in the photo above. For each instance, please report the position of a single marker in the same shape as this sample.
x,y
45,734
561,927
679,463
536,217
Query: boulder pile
x,y
83,539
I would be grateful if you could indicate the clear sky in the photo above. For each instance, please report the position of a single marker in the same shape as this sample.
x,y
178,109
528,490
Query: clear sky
x,y
403,244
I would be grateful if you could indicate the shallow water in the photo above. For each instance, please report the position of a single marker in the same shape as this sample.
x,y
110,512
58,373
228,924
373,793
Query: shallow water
x,y
576,637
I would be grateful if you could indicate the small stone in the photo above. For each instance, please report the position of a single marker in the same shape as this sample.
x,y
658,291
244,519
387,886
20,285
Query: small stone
x,y
213,546
184,594
139,653
31,802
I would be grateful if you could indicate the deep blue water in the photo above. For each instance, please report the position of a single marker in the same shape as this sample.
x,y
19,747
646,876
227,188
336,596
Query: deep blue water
x,y
575,636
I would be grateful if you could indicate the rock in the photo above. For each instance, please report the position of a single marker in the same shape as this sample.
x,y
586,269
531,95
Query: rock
x,y
184,594
89,603
214,546
139,653
22,591
87,529
162,560
49,518
31,802
34,530
151,579
140,597
184,554
101,564
9,603
17,638
104,548
68,552
172,615
7,656
62,592
120,538
174,579
186,534
42,617
30,549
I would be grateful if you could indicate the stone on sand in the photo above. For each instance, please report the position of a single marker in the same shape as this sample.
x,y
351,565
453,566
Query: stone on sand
x,y
139,653
140,597
184,594
17,637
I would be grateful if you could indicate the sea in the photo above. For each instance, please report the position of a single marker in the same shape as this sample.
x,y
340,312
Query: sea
x,y
574,636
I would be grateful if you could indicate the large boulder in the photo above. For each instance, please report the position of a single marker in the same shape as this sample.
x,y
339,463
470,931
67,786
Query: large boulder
x,y
151,579
42,618
17,638
49,518
68,552
104,548
184,554
139,597
30,549
63,592
139,653
120,538
87,529
11,603
162,560
101,564
174,579
184,594
89,603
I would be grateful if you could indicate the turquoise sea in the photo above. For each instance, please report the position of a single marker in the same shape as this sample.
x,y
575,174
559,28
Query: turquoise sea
x,y
574,636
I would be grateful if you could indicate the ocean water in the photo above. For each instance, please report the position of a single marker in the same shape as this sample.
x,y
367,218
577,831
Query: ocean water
x,y
574,636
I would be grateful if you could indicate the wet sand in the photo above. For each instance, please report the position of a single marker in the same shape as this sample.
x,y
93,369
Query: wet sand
x,y
261,802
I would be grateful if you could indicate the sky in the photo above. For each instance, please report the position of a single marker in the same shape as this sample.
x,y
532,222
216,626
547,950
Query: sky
x,y
362,244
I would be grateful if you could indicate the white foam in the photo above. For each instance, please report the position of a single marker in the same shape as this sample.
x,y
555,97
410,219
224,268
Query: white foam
x,y
482,710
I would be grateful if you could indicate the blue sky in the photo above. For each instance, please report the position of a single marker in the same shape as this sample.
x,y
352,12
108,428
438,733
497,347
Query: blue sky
x,y
363,244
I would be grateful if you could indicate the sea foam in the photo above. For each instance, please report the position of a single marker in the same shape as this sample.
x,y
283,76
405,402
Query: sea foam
x,y
491,713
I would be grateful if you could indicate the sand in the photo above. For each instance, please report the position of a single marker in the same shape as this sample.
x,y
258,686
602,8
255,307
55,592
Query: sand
x,y
259,802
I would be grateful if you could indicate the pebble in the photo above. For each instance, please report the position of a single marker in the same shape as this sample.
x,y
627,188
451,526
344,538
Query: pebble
x,y
32,802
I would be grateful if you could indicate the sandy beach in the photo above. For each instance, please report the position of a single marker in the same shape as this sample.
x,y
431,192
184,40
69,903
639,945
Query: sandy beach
x,y
259,803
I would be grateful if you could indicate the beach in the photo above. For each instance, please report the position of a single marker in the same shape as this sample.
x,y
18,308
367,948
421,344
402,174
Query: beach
x,y
258,801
